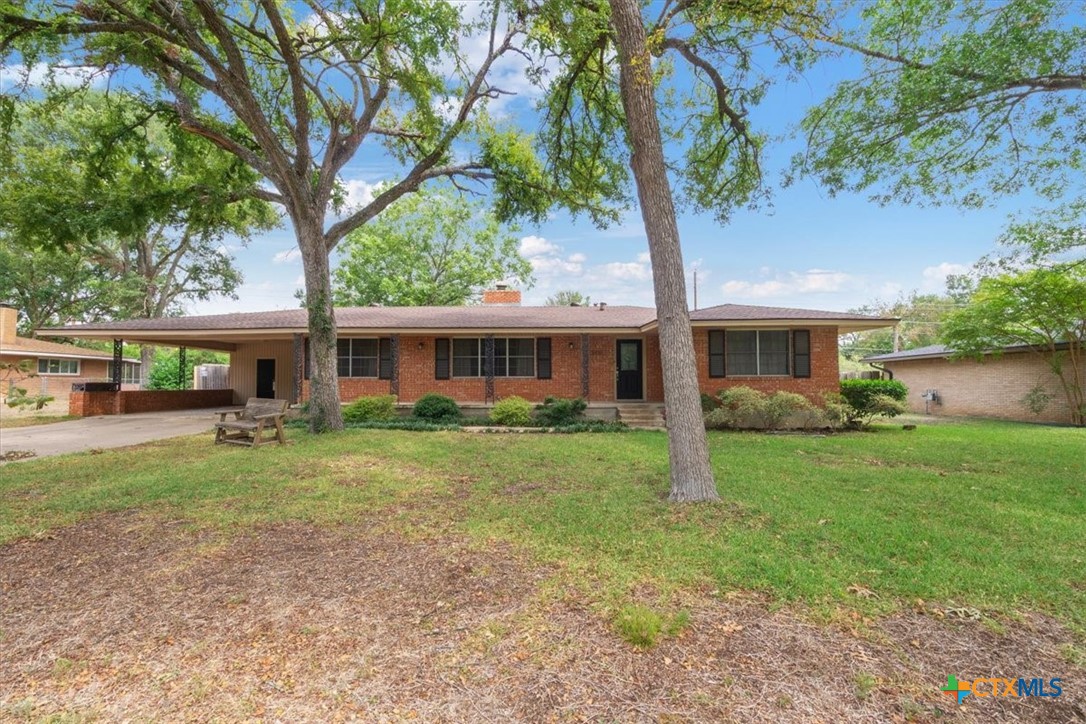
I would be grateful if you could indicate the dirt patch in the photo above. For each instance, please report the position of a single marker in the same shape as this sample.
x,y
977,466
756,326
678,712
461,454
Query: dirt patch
x,y
126,617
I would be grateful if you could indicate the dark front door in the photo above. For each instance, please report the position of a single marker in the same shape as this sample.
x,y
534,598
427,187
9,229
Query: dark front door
x,y
265,378
628,364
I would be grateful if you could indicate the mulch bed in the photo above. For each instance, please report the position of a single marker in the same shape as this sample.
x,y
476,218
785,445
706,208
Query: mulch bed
x,y
128,617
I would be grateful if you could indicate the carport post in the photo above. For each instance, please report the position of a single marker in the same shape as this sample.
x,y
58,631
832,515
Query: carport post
x,y
181,368
118,361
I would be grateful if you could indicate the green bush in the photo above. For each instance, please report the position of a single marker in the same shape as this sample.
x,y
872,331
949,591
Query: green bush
x,y
559,412
868,399
369,409
433,407
708,403
512,411
750,409
593,426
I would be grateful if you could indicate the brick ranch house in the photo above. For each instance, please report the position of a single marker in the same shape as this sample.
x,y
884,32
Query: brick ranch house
x,y
607,354
54,367
996,386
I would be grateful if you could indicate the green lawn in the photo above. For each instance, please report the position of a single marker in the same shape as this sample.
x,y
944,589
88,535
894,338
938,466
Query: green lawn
x,y
984,515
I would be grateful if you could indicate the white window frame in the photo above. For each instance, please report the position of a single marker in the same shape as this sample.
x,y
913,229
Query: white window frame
x,y
48,360
130,373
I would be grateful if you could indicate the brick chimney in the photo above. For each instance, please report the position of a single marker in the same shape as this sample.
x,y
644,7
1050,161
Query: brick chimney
x,y
9,317
502,295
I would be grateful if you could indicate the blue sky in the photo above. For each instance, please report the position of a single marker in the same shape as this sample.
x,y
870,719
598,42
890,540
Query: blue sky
x,y
808,250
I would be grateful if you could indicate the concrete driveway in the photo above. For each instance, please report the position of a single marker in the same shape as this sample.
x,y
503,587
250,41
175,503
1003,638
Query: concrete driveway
x,y
109,431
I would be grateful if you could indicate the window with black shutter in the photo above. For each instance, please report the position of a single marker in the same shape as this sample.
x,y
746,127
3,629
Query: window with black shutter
x,y
441,359
801,345
543,358
716,353
384,365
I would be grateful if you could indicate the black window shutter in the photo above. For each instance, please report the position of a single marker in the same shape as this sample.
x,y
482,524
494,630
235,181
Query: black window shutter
x,y
801,353
441,359
384,360
308,360
716,353
543,358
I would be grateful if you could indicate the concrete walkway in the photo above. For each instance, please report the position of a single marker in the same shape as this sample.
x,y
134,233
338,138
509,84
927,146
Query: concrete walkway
x,y
109,431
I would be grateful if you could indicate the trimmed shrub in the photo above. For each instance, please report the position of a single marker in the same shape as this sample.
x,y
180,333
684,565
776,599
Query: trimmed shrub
x,y
793,408
513,411
858,393
868,399
559,412
744,408
371,409
433,407
708,403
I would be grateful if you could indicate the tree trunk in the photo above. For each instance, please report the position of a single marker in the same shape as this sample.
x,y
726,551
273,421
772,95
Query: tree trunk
x,y
147,360
324,407
688,449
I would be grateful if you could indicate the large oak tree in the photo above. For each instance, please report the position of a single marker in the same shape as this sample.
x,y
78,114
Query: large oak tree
x,y
298,91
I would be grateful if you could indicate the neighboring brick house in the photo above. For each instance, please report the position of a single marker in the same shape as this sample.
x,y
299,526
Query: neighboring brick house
x,y
478,354
54,367
995,386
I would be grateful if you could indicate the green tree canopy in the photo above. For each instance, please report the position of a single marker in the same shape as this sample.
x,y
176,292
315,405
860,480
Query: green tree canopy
x,y
568,298
297,91
921,322
433,248
960,102
1042,307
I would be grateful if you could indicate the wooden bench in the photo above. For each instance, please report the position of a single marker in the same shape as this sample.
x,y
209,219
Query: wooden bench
x,y
247,427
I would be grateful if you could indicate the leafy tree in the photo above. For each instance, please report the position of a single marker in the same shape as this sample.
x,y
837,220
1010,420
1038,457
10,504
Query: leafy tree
x,y
960,102
921,318
1043,308
297,91
118,214
568,298
431,248
53,286
163,374
604,122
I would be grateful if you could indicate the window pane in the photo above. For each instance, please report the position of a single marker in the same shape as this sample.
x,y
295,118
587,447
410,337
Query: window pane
x,y
521,347
466,357
364,348
628,359
343,347
343,366
742,353
521,367
364,367
773,353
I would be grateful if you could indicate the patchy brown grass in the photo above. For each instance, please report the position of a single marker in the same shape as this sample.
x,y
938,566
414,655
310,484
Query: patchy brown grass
x,y
11,420
125,616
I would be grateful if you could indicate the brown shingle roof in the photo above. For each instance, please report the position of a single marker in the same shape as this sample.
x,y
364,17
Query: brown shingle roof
x,y
39,348
742,312
481,318
476,317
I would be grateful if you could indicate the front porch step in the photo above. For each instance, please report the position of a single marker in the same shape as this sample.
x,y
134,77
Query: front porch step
x,y
641,414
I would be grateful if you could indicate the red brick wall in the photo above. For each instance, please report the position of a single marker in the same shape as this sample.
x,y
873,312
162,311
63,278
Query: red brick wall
x,y
90,404
825,375
417,372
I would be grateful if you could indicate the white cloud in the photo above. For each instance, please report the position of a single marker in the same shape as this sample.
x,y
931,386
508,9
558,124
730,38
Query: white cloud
x,y
538,246
644,257
935,276
287,257
812,281
633,270
359,193
39,74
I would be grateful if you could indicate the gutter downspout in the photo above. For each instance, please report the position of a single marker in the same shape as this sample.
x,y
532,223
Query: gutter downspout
x,y
885,371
